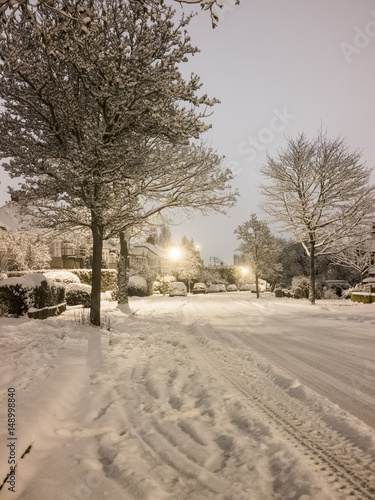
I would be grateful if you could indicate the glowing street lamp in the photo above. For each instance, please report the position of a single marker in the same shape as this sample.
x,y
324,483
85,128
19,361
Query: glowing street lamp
x,y
244,272
174,253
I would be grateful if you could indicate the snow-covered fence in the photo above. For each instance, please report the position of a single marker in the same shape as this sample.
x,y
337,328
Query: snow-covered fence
x,y
33,290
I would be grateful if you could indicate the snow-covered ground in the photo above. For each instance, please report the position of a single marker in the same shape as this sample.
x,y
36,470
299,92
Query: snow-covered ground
x,y
219,396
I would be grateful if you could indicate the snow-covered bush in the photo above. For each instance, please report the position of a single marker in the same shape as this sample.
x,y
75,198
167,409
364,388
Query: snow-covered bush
x,y
330,293
161,285
62,277
17,295
137,286
300,287
78,294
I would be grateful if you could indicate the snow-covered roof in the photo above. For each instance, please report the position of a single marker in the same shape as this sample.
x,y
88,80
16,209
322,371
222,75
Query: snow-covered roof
x,y
156,249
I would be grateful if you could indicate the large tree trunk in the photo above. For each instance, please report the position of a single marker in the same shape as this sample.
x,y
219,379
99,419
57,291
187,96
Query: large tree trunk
x,y
123,273
312,292
257,284
97,235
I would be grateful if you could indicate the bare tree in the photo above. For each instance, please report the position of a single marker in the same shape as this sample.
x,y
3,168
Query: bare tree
x,y
258,247
359,257
319,191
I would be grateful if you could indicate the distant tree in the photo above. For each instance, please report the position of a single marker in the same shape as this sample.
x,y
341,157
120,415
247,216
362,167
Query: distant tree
x,y
359,258
294,261
208,274
320,192
164,236
190,263
20,251
258,247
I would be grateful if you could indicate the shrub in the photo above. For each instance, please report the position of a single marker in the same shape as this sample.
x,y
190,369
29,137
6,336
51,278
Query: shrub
x,y
300,287
17,295
137,287
161,285
330,294
78,294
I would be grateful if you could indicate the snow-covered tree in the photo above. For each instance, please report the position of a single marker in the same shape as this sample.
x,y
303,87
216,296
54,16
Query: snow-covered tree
x,y
258,247
359,257
79,11
20,251
83,109
189,263
319,191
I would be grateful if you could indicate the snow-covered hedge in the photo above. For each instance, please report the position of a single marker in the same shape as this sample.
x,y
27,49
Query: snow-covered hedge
x,y
366,298
78,293
35,290
61,276
109,278
137,286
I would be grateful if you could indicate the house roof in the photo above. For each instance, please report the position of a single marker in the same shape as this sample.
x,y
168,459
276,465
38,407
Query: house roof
x,y
155,249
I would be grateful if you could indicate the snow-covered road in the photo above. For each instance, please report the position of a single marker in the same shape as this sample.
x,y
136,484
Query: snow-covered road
x,y
218,396
330,349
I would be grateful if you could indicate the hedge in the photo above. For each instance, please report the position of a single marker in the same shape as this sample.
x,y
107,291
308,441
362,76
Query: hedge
x,y
366,298
78,294
109,276
17,295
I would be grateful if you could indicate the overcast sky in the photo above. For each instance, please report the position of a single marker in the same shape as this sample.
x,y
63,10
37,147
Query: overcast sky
x,y
278,67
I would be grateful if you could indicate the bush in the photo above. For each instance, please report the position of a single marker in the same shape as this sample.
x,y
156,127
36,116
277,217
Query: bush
x,y
161,285
329,294
301,287
137,287
17,295
78,294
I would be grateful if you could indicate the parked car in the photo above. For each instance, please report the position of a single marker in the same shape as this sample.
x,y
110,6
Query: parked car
x,y
199,288
213,288
246,288
222,287
177,288
232,288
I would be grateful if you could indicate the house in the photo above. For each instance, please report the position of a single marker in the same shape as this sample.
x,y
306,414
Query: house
x,y
72,252
155,256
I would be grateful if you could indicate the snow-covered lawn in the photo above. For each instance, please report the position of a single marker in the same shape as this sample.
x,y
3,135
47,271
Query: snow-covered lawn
x,y
213,396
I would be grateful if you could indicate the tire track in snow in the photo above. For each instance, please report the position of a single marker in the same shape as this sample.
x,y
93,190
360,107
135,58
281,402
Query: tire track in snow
x,y
347,469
